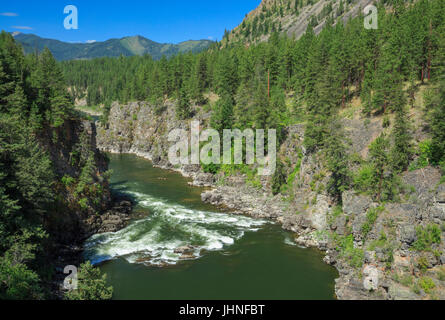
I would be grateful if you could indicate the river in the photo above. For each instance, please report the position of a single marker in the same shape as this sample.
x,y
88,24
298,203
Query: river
x,y
233,257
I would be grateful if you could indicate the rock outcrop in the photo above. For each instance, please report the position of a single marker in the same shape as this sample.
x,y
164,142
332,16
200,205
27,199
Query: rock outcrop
x,y
379,263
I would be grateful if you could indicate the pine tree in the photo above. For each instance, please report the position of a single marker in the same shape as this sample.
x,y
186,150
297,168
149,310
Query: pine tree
x,y
261,108
401,151
337,160
222,116
435,104
378,152
183,110
279,178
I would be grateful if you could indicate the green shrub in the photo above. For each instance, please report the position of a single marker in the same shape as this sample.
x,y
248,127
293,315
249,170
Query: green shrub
x,y
83,203
293,175
426,236
371,217
279,178
210,168
425,153
422,263
67,180
364,179
354,256
441,274
92,285
427,284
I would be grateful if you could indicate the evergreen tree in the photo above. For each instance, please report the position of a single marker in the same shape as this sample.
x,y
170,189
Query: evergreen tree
x,y
92,285
222,116
402,150
382,175
435,105
183,110
278,178
337,161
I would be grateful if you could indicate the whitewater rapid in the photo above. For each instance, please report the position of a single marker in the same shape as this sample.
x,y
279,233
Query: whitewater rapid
x,y
169,226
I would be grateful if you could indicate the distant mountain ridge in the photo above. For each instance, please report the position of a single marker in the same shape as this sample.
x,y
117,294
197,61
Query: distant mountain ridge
x,y
127,46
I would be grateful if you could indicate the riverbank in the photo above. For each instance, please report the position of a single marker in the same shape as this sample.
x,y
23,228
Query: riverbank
x,y
179,241
370,244
239,198
115,218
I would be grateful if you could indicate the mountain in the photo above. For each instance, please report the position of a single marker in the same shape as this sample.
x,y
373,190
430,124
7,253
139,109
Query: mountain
x,y
291,17
128,46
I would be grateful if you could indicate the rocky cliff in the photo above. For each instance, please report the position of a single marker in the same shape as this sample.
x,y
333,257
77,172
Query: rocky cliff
x,y
292,18
382,251
84,203
78,213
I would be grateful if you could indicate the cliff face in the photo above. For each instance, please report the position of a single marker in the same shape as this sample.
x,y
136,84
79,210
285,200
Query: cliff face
x,y
142,129
284,17
68,137
376,248
76,214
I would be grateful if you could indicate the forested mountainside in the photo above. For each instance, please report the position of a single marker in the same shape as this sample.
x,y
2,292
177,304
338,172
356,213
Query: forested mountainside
x,y
292,17
361,123
128,46
53,180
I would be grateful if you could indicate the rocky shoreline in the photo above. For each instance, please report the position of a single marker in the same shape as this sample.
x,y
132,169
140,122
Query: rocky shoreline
x,y
114,219
248,201
378,264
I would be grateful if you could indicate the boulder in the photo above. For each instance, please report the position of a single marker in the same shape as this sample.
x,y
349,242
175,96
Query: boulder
x,y
408,234
371,278
184,250
203,179
318,214
357,224
187,256
398,292
340,225
355,204
370,256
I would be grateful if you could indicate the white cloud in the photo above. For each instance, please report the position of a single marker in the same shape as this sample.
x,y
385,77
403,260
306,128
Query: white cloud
x,y
90,41
210,38
9,14
22,27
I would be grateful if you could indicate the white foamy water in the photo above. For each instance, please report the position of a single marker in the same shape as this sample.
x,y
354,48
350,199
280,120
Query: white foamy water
x,y
154,239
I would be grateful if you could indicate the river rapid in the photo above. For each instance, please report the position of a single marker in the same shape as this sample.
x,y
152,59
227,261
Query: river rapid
x,y
178,247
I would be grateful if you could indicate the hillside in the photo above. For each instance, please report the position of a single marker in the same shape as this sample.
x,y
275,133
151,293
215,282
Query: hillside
x,y
128,46
292,17
360,123
54,189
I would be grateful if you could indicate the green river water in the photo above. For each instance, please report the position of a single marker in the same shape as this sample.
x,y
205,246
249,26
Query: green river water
x,y
235,257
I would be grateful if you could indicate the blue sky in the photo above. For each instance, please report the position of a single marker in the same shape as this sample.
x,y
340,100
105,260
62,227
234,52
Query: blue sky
x,y
162,20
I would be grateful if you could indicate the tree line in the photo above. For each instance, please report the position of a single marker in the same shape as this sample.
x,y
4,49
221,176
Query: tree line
x,y
317,75
34,105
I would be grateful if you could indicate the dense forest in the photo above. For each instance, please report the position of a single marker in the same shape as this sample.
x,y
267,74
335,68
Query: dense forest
x,y
285,81
269,85
34,105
